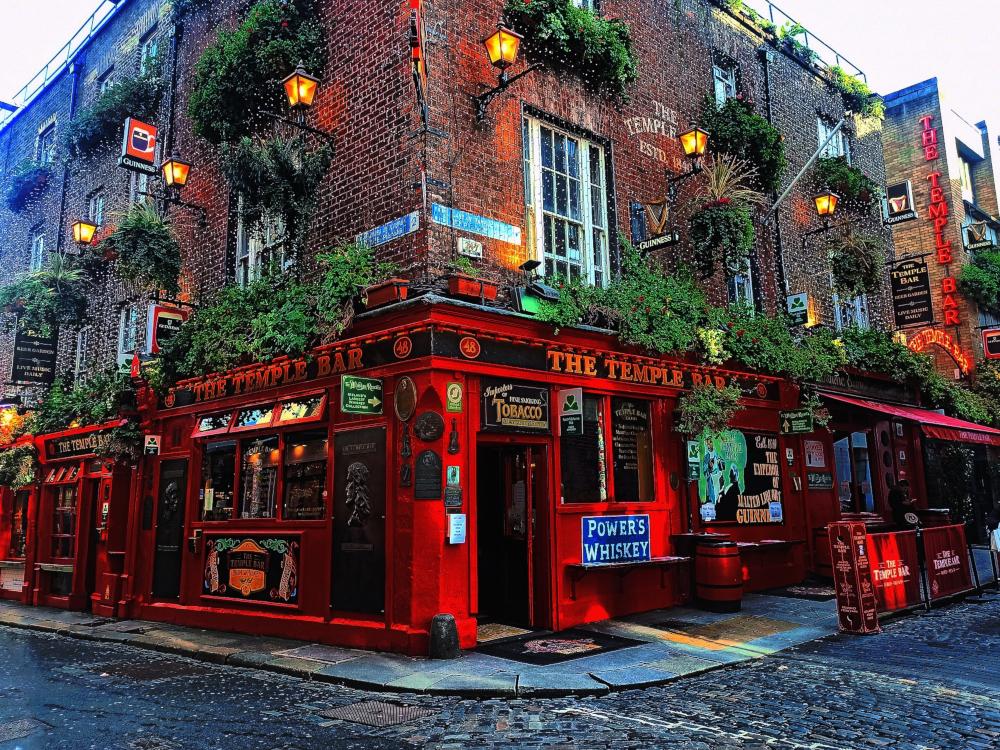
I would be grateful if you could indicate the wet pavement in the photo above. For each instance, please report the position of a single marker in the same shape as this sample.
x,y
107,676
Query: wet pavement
x,y
927,682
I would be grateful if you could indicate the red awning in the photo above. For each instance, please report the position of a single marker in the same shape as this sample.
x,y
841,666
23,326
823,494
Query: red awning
x,y
933,424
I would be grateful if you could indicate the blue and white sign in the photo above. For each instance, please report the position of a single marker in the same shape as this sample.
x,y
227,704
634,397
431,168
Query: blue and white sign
x,y
466,222
615,539
391,231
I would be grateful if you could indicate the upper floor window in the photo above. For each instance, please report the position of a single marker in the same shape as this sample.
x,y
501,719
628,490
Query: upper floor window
x,y
140,187
45,150
725,83
851,313
594,5
965,173
37,249
148,48
127,336
257,249
838,146
566,185
96,210
106,79
82,356
741,287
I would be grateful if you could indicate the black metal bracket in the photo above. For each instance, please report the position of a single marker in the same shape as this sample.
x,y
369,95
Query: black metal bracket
x,y
173,200
827,226
503,83
300,124
672,181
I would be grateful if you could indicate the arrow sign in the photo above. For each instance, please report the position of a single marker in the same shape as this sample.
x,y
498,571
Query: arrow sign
x,y
797,422
361,395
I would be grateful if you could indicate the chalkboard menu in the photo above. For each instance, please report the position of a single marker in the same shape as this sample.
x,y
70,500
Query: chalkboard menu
x,y
631,450
34,359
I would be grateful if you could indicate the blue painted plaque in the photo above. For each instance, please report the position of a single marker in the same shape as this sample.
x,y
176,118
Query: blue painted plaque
x,y
466,222
392,231
615,539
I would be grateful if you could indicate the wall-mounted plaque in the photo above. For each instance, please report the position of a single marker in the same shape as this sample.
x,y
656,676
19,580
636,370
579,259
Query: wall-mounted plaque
x,y
911,293
405,398
453,497
513,407
429,426
427,476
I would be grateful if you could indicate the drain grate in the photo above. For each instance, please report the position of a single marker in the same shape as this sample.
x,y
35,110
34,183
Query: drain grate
x,y
15,730
154,670
377,713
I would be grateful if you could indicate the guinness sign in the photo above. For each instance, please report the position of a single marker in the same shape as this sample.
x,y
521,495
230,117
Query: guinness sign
x,y
899,203
978,236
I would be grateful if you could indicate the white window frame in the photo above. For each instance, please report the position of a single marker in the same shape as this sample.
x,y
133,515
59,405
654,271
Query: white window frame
x,y
965,175
725,84
255,249
105,80
740,287
128,340
95,211
839,146
149,46
594,266
37,249
45,144
851,312
593,5
82,359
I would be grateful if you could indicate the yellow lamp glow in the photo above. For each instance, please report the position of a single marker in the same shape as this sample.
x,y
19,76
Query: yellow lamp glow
x,y
694,141
300,87
502,46
826,202
175,171
83,232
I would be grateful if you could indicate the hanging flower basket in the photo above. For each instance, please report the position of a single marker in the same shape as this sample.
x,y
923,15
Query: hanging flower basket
x,y
393,290
461,285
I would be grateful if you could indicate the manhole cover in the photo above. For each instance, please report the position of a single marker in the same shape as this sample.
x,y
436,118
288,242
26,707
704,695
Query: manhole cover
x,y
377,713
154,670
15,730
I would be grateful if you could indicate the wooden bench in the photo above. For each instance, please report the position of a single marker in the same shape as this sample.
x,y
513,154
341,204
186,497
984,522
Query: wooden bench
x,y
577,571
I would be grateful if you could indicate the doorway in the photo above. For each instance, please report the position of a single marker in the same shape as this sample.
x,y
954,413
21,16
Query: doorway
x,y
513,535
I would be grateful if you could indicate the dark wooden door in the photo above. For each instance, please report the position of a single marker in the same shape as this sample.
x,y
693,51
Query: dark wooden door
x,y
170,508
358,562
541,610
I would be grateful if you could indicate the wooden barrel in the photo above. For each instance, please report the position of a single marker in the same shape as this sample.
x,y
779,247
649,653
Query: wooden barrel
x,y
718,577
824,558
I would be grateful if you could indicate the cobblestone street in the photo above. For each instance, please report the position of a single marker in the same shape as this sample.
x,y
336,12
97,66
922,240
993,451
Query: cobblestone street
x,y
927,682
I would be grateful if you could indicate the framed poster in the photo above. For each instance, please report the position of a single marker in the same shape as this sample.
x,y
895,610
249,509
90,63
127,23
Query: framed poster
x,y
740,479
252,568
509,406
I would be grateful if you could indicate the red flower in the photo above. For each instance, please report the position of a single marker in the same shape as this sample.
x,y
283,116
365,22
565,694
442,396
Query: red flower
x,y
740,333
633,309
642,298
647,309
739,96
731,325
755,341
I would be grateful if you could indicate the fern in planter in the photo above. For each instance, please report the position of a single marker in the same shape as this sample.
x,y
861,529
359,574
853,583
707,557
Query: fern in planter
x,y
708,410
146,249
240,73
722,231
789,34
856,261
276,179
131,96
578,40
26,181
855,188
51,297
18,466
735,130
980,280
856,94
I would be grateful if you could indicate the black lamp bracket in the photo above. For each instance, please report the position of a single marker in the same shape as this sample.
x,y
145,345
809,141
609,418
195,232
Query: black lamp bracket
x,y
300,124
827,226
503,83
695,169
173,200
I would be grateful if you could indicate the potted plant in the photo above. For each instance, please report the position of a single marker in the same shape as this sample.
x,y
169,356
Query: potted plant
x,y
392,290
465,282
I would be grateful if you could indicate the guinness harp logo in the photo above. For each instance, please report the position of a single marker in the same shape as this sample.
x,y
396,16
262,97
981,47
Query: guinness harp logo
x,y
899,204
977,231
657,214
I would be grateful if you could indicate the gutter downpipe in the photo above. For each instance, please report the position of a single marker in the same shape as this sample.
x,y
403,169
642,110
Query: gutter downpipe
x,y
74,70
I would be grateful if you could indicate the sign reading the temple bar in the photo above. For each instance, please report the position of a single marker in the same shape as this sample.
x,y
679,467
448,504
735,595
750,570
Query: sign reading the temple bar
x,y
899,203
740,479
72,446
262,569
139,148
164,323
34,359
512,407
911,293
991,343
852,576
361,395
615,539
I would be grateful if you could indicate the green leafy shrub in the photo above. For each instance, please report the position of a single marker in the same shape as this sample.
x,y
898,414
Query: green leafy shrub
x,y
577,40
50,297
871,350
240,73
708,410
130,96
27,180
276,179
721,232
18,466
98,401
855,188
736,130
856,260
790,34
347,270
146,249
980,279
856,94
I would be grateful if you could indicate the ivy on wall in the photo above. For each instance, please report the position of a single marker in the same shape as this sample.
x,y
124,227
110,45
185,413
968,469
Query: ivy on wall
x,y
736,130
26,182
708,410
45,299
858,191
980,279
578,40
856,260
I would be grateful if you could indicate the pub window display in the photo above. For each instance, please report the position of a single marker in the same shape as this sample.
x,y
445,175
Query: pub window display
x,y
584,472
261,458
19,525
218,478
740,478
305,476
64,521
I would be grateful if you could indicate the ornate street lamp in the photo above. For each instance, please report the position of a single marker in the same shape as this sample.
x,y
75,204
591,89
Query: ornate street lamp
x,y
300,88
694,141
826,202
501,47
175,171
83,232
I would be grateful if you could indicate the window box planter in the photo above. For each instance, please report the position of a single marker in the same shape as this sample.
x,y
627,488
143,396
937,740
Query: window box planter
x,y
392,290
460,285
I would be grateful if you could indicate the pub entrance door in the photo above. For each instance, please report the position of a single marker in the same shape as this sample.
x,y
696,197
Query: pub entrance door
x,y
513,535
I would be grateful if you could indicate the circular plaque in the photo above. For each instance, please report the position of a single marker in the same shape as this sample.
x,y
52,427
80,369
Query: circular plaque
x,y
429,426
675,480
405,398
